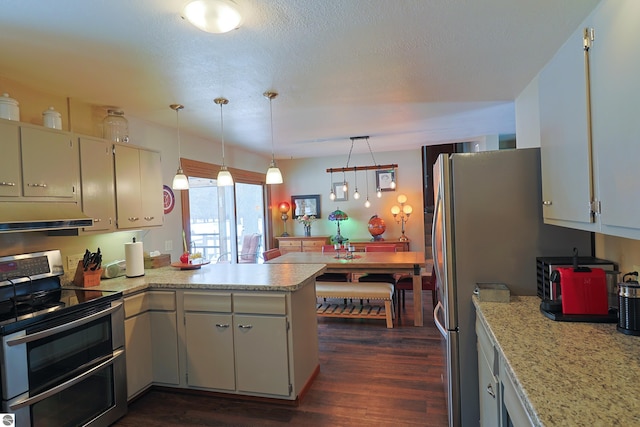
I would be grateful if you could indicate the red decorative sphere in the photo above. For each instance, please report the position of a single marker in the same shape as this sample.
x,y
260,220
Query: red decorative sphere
x,y
376,227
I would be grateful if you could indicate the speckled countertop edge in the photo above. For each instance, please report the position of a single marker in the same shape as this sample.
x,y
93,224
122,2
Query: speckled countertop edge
x,y
578,374
238,277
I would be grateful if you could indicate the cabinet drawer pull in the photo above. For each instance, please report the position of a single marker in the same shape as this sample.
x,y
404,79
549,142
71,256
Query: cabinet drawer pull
x,y
149,218
245,326
490,391
97,219
133,218
37,185
8,184
547,203
222,325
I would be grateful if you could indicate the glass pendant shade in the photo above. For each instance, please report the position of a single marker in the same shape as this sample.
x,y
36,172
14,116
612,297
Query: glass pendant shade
x,y
274,176
180,181
224,177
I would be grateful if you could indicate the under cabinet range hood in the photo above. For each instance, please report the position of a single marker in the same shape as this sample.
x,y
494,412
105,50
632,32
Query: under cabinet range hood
x,y
41,216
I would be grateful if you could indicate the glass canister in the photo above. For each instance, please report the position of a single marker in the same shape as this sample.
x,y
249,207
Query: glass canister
x,y
115,126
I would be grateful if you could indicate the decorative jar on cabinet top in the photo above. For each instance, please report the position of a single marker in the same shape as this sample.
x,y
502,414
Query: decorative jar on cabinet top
x,y
115,126
9,108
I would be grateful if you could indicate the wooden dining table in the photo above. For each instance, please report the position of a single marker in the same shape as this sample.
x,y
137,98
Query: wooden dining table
x,y
367,262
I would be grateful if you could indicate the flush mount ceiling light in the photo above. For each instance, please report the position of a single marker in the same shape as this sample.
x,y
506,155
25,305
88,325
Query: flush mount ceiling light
x,y
274,176
213,16
224,176
180,181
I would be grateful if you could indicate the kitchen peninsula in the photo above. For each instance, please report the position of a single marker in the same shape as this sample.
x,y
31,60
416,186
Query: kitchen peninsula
x,y
561,373
240,329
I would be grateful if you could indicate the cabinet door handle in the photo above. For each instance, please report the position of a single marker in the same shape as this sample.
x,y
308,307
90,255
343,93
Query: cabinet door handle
x,y
547,203
133,218
490,391
8,184
245,326
149,218
97,219
222,325
37,185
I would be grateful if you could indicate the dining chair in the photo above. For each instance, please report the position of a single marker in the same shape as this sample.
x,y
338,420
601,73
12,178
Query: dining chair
x,y
332,277
380,277
249,251
271,254
405,283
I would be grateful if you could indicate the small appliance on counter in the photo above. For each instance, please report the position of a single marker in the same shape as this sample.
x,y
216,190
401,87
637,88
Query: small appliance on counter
x,y
629,301
578,293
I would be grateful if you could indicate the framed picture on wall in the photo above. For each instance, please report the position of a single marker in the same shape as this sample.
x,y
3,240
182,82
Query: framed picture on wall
x,y
341,195
306,205
384,178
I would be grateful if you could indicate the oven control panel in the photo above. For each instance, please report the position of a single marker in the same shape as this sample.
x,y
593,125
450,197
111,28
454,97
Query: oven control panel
x,y
37,265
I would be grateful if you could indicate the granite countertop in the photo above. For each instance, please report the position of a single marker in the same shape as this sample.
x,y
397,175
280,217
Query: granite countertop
x,y
578,374
238,277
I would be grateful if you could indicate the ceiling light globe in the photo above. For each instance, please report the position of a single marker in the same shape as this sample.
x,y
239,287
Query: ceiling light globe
x,y
213,16
402,198
332,195
367,204
378,193
356,195
344,187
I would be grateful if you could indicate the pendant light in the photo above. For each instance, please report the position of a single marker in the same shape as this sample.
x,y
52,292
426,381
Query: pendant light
x,y
356,194
224,176
367,203
332,195
180,181
274,176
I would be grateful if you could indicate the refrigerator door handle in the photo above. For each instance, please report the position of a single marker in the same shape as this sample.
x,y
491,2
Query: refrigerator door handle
x,y
439,325
436,214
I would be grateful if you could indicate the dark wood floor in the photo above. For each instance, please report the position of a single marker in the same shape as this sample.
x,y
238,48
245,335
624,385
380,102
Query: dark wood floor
x,y
369,376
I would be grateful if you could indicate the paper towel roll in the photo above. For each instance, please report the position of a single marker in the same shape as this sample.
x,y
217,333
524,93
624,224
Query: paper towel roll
x,y
134,257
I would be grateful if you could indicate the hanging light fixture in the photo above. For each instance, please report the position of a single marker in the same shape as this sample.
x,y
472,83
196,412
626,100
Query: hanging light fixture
x,y
367,203
356,195
332,195
180,181
213,16
274,176
224,176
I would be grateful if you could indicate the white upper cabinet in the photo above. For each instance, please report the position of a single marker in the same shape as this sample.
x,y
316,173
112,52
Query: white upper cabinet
x,y
602,177
10,174
97,184
615,69
139,201
564,145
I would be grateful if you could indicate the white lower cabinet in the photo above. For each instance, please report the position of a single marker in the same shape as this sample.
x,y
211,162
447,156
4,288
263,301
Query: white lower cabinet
x,y
265,336
210,360
229,350
151,341
513,411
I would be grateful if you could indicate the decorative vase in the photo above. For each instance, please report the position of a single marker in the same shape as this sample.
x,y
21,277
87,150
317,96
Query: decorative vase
x,y
307,230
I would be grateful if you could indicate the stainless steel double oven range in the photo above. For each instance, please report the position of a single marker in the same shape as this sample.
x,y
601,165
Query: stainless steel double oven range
x,y
62,355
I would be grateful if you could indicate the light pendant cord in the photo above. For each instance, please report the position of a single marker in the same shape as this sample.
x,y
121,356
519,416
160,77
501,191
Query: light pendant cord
x,y
222,132
273,154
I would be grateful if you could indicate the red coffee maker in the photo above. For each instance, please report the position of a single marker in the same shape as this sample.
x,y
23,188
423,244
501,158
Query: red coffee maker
x,y
584,290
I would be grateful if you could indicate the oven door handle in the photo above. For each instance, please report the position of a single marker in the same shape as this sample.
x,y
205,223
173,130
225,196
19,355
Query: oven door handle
x,y
65,327
67,384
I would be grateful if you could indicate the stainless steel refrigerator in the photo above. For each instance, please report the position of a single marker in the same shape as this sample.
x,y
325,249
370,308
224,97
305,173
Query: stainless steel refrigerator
x,y
487,227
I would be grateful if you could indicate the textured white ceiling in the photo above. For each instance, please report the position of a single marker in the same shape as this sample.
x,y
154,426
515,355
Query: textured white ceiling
x,y
406,72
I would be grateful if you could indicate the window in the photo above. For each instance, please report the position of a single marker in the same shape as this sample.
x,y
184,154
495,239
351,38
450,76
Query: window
x,y
216,220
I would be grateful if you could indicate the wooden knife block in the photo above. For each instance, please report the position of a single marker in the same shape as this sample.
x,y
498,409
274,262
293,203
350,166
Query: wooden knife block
x,y
87,279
